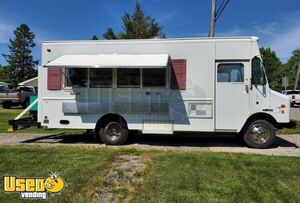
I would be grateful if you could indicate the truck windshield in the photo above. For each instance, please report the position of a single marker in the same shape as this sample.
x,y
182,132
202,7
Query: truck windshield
x,y
258,74
4,89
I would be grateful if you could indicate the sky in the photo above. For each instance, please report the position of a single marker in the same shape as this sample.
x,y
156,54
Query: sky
x,y
275,22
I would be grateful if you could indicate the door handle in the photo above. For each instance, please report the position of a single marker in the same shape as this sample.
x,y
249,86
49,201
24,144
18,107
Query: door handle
x,y
247,89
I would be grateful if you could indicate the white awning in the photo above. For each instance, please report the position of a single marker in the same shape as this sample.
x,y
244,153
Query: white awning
x,y
111,61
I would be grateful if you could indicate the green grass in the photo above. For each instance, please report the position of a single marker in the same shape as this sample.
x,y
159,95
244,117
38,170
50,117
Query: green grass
x,y
82,169
219,177
9,114
290,131
168,177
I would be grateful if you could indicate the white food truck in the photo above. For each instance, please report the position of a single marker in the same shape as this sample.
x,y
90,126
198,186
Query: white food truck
x,y
160,86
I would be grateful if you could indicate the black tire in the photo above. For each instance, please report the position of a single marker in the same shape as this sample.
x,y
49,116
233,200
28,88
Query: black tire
x,y
6,105
113,133
26,103
259,134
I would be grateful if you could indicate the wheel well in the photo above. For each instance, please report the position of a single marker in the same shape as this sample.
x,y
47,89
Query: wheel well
x,y
111,117
262,116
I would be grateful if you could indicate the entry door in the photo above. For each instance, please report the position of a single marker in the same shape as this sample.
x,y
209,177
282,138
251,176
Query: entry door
x,y
232,94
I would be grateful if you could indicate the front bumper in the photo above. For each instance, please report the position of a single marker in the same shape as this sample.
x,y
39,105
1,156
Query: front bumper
x,y
291,124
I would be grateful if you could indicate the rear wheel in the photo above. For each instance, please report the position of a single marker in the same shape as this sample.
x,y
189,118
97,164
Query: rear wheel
x,y
6,105
26,103
259,134
113,133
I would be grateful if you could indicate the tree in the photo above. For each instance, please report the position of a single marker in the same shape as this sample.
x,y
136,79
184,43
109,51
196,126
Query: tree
x,y
20,61
290,67
273,67
136,26
3,74
94,37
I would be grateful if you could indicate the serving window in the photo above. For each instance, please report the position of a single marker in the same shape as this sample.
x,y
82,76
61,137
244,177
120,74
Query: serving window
x,y
101,78
155,77
129,77
115,78
76,77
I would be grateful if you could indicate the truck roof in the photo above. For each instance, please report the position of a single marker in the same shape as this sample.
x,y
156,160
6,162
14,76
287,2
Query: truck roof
x,y
237,38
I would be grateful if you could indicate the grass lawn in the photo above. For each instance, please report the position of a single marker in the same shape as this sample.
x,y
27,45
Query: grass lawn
x,y
8,114
81,169
290,131
168,177
220,177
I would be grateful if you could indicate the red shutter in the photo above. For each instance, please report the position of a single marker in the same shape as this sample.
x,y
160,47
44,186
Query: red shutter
x,y
54,79
178,74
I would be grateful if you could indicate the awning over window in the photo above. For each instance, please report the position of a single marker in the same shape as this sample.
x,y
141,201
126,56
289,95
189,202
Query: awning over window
x,y
111,61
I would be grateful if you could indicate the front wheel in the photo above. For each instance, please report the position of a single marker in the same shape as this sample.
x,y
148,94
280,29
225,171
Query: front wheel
x,y
259,134
113,133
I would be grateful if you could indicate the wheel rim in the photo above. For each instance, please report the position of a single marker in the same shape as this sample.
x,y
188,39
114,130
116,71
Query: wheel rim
x,y
113,130
259,134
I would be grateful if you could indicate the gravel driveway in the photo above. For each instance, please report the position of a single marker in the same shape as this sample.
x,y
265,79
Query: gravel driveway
x,y
286,145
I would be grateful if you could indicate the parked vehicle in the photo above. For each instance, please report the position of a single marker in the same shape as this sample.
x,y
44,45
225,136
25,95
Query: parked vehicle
x,y
294,96
160,86
20,96
25,92
8,97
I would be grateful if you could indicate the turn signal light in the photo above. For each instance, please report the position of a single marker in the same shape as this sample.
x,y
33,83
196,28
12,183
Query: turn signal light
x,y
282,108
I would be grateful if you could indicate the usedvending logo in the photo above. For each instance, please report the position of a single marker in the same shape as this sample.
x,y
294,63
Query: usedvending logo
x,y
33,188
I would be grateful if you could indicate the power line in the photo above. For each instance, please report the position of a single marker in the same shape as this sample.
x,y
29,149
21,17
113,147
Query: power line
x,y
218,10
221,9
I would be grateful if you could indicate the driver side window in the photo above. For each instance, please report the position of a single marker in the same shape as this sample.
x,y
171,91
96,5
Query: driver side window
x,y
258,75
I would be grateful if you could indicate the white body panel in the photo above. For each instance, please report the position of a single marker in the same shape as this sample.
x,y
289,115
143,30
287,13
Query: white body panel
x,y
83,107
232,101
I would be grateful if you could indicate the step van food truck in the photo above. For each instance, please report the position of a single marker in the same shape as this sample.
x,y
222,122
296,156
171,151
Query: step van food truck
x,y
160,86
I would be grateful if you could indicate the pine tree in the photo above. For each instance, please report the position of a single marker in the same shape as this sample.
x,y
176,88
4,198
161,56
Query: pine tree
x,y
3,74
94,37
136,26
20,61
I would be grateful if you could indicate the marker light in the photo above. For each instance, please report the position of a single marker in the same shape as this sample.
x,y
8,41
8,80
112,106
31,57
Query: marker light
x,y
282,108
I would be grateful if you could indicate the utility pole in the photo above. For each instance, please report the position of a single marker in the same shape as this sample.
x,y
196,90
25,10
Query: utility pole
x,y
213,18
297,76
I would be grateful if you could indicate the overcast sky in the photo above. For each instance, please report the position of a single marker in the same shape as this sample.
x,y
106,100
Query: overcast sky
x,y
275,22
